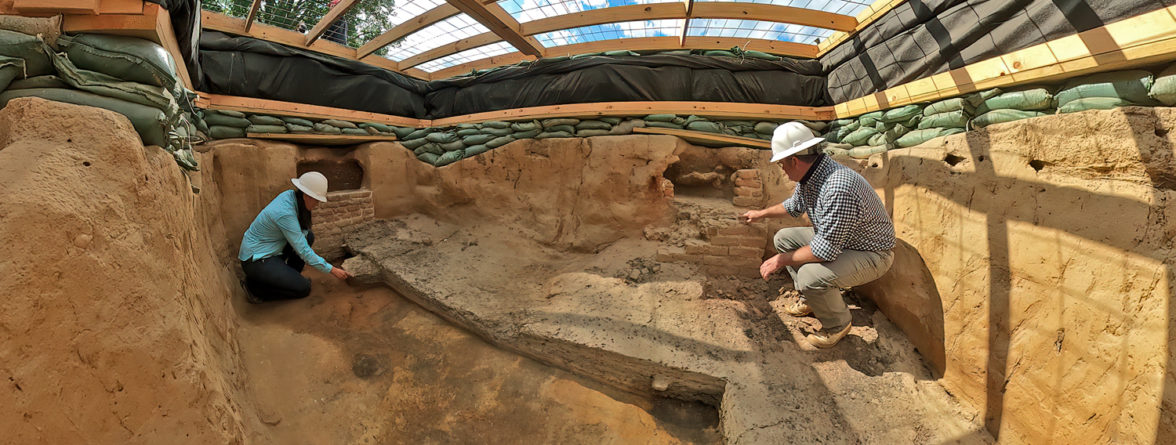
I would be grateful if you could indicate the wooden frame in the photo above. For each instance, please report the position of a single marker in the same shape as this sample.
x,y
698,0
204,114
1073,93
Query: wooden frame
x,y
485,38
414,24
500,23
256,6
774,13
332,16
266,106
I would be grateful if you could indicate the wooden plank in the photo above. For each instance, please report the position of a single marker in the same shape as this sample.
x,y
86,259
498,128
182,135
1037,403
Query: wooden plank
x,y
774,13
710,109
702,136
266,106
667,43
133,25
769,46
233,25
600,16
485,38
872,13
332,16
167,39
634,44
321,139
500,24
381,62
90,7
121,7
249,18
500,60
441,12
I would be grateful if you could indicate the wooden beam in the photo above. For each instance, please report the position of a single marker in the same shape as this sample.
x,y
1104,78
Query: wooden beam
x,y
332,16
500,60
321,139
774,13
654,11
505,27
121,7
90,7
667,43
702,136
441,12
266,106
485,38
633,44
685,23
711,109
252,14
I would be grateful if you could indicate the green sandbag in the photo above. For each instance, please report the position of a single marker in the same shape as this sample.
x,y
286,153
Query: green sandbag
x,y
370,130
354,131
920,136
201,125
379,127
222,132
842,123
326,129
660,124
451,146
581,56
498,131
1164,89
402,132
299,129
466,126
10,69
477,139
340,124
620,53
816,127
1002,116
297,121
592,125
897,131
496,124
1131,86
1094,103
429,148
591,132
879,139
831,137
609,120
151,123
869,119
412,144
719,53
748,124
417,134
951,119
499,141
660,118
867,151
127,58
835,151
1031,99
525,126
761,55
553,134
707,126
258,119
966,104
266,129
475,150
882,126
28,48
46,81
860,136
526,134
449,158
560,128
428,158
902,114
766,127
104,85
229,113
468,132
441,137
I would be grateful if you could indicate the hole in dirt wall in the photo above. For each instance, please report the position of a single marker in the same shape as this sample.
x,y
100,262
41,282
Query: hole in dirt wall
x,y
707,172
341,173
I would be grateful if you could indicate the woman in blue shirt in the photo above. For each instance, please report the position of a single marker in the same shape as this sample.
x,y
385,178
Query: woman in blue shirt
x,y
276,247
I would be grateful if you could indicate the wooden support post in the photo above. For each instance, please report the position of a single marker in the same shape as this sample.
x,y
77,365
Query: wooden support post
x,y
252,14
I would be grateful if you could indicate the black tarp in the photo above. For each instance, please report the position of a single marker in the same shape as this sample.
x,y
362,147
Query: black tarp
x,y
920,38
243,66
185,18
632,78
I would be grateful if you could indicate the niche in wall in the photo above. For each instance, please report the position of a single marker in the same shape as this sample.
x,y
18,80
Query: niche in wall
x,y
342,174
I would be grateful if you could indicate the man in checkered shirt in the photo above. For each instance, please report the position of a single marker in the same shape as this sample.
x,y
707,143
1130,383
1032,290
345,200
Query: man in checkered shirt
x,y
849,243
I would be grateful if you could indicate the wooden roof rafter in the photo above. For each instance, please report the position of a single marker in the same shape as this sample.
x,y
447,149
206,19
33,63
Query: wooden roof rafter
x,y
256,6
437,14
500,23
689,10
332,16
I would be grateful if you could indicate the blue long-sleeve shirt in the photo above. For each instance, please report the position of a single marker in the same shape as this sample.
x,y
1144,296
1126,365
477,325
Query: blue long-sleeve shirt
x,y
276,226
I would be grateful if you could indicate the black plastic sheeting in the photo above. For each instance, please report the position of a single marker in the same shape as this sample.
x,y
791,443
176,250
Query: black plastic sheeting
x,y
920,38
632,78
185,18
243,66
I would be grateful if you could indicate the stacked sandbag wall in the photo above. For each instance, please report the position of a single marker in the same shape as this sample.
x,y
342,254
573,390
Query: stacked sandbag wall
x,y
227,124
133,77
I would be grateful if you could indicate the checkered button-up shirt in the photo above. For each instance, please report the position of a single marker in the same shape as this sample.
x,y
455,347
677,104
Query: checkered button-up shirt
x,y
845,211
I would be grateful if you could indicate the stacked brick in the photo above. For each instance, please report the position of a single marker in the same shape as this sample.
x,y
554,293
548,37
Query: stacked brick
x,y
733,250
749,188
343,210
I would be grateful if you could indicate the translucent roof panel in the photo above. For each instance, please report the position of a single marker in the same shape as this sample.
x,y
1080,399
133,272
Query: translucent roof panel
x,y
846,7
611,31
755,29
405,10
444,32
469,55
528,10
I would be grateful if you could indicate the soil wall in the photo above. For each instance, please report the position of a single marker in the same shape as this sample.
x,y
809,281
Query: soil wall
x,y
1035,271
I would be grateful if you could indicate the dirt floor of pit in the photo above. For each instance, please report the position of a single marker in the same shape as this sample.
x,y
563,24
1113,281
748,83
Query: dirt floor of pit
x,y
360,366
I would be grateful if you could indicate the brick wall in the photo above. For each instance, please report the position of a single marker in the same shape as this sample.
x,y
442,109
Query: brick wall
x,y
342,210
737,250
749,188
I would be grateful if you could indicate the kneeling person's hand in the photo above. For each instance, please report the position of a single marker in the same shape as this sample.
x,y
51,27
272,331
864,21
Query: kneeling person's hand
x,y
339,273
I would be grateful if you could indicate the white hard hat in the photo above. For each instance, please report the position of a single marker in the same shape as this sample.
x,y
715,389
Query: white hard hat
x,y
313,184
792,138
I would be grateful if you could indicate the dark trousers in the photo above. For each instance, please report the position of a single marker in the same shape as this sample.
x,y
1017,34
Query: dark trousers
x,y
337,32
278,277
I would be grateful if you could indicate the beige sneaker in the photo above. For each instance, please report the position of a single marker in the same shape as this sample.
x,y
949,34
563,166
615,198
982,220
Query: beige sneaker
x,y
826,339
798,309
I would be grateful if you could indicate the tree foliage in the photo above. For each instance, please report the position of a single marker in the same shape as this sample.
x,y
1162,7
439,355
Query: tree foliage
x,y
366,20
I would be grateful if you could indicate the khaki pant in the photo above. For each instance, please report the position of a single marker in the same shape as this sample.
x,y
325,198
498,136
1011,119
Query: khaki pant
x,y
821,283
